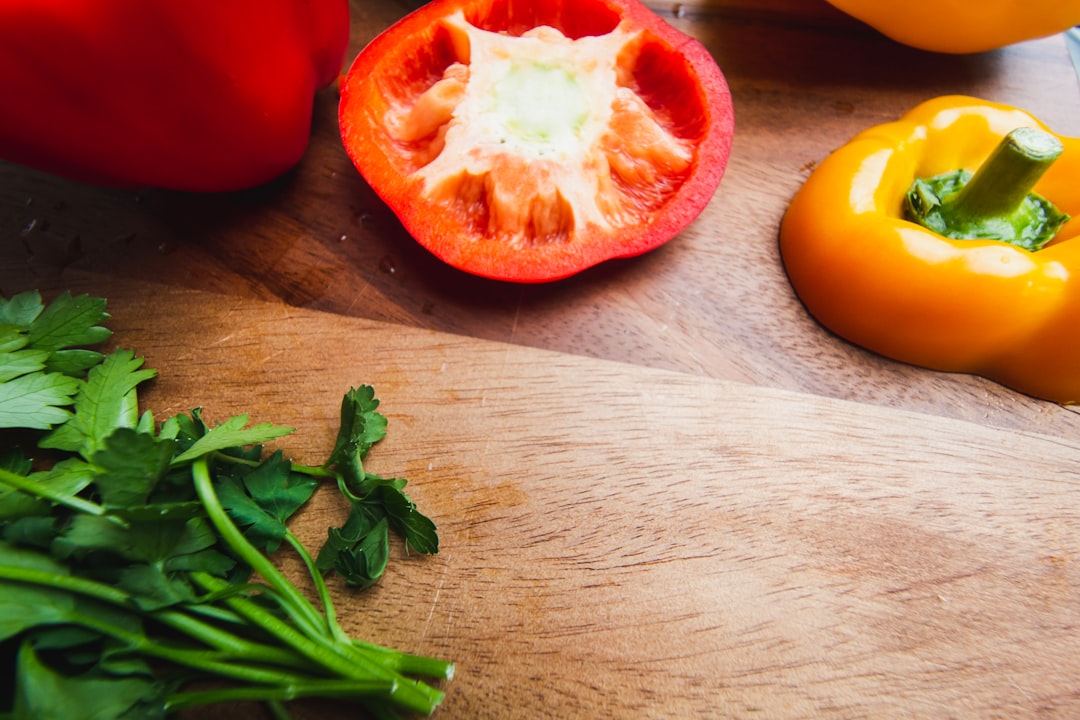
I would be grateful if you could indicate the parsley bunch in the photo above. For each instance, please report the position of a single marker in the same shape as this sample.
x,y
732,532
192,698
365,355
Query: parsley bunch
x,y
135,577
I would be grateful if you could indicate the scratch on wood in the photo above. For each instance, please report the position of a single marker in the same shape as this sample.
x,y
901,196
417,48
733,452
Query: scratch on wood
x,y
434,603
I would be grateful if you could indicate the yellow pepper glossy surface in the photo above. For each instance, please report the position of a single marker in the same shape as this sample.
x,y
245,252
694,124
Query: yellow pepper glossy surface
x,y
889,285
964,26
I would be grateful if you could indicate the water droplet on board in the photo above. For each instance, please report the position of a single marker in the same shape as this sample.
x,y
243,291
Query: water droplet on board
x,y
387,265
29,228
678,10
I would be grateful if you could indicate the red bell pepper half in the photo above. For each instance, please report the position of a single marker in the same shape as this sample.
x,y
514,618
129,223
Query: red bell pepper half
x,y
528,140
199,95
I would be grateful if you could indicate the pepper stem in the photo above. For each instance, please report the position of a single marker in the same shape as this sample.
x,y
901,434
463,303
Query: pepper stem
x,y
1005,179
996,202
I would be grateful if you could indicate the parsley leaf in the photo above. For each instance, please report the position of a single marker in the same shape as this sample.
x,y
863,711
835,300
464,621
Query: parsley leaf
x,y
105,402
40,357
46,693
37,401
130,466
361,427
74,362
418,529
358,549
22,309
265,498
150,557
135,558
65,479
22,362
229,434
69,322
22,607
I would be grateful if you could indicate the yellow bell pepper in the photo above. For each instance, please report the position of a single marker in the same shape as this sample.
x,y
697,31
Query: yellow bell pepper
x,y
964,26
898,288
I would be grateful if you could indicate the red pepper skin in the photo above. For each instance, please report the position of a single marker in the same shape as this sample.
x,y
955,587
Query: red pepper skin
x,y
193,95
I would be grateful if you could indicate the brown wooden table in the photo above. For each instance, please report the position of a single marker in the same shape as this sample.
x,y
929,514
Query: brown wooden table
x,y
868,523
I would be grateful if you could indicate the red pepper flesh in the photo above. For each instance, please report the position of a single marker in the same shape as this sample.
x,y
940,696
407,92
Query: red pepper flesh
x,y
527,141
198,95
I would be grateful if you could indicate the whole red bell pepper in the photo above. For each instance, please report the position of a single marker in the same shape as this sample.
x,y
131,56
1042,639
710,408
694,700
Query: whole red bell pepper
x,y
197,95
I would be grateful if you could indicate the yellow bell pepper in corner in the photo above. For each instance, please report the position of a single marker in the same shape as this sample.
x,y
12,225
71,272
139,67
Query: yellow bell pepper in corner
x,y
964,26
871,270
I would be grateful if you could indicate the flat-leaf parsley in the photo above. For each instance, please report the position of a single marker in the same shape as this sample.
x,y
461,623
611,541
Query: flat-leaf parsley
x,y
134,556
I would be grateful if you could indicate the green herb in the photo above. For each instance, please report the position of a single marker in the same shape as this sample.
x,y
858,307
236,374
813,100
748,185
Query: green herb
x,y
135,577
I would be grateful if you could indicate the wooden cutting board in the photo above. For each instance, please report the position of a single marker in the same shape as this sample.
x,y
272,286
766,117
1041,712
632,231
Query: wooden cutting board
x,y
621,542
715,301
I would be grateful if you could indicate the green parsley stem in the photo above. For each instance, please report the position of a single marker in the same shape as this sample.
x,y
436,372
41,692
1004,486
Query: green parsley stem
x,y
68,583
224,641
339,689
214,612
320,586
312,625
399,661
209,661
310,470
247,552
345,660
32,487
212,636
219,456
362,664
408,663
319,472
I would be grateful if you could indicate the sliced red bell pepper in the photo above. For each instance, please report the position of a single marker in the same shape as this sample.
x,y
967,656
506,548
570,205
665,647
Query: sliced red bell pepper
x,y
194,95
527,141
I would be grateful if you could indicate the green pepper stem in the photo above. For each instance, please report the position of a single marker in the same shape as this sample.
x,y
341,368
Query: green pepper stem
x,y
1004,180
997,201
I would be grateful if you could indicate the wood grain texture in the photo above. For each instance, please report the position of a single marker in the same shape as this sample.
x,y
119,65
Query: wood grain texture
x,y
624,542
714,302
